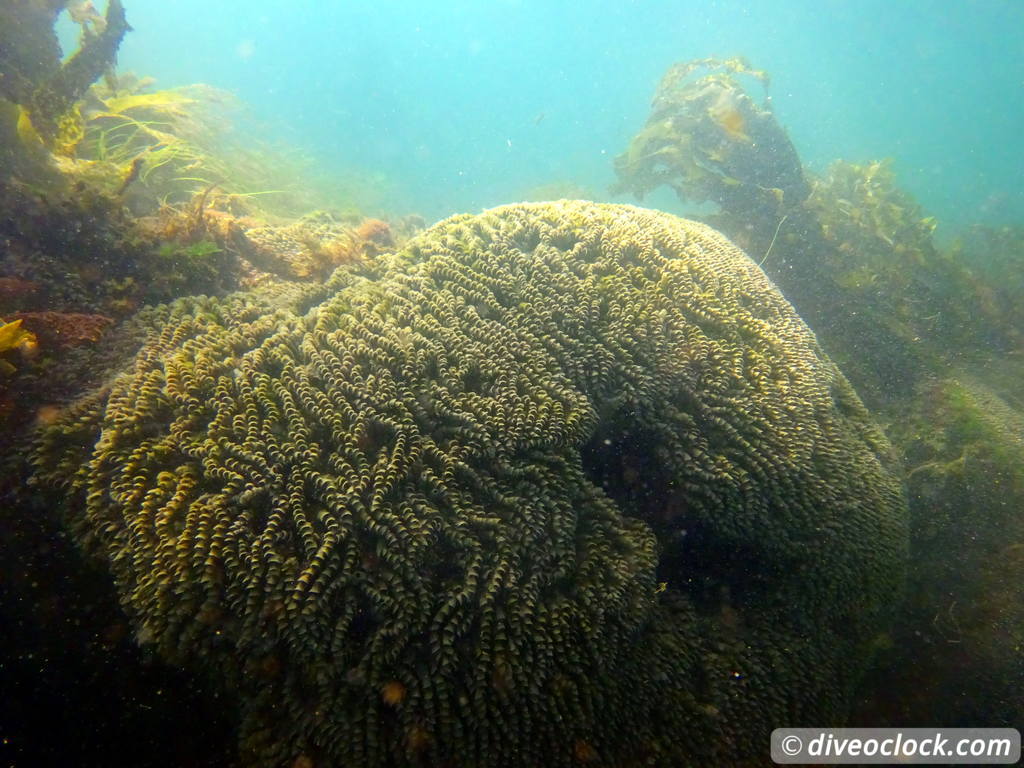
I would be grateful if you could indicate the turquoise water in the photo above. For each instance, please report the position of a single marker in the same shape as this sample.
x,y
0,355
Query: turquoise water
x,y
435,108
459,105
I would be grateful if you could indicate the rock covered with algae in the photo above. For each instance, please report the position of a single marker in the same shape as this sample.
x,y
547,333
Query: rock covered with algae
x,y
560,483
708,140
35,77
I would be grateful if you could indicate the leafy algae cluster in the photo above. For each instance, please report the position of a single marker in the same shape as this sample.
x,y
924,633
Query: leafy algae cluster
x,y
850,249
562,483
708,140
34,77
157,148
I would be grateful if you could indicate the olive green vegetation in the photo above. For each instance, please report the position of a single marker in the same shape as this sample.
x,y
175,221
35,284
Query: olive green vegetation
x,y
34,76
85,252
850,249
708,140
37,92
994,260
152,144
151,149
559,483
29,52
958,651
860,256
859,261
161,147
52,105
181,268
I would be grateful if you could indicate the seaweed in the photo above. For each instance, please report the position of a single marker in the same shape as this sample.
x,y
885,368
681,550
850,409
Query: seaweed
x,y
153,140
154,148
993,258
182,268
12,337
52,105
708,140
39,96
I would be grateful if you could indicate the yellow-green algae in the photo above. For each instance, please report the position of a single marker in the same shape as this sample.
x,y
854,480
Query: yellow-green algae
x,y
566,482
34,75
13,336
707,139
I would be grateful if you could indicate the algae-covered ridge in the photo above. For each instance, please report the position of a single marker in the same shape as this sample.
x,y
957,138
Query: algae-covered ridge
x,y
34,76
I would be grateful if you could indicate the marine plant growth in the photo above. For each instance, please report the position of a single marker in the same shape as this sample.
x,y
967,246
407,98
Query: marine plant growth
x,y
557,482
707,139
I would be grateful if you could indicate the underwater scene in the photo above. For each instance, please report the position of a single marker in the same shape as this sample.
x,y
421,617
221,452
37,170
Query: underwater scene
x,y
506,383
